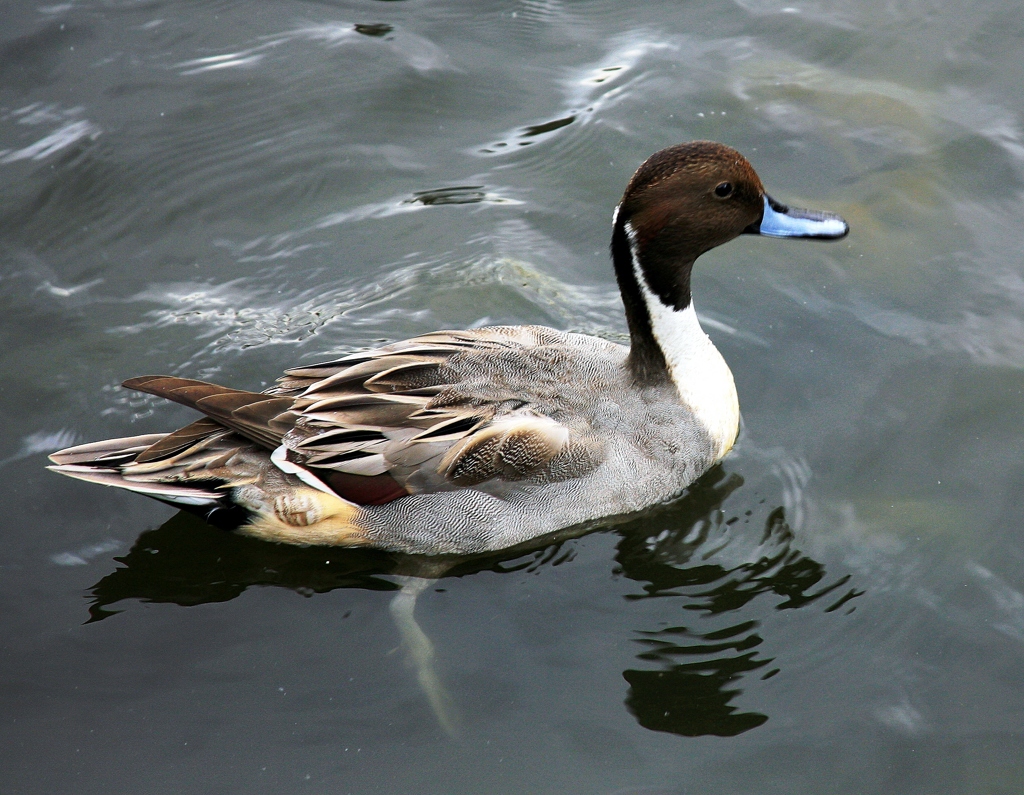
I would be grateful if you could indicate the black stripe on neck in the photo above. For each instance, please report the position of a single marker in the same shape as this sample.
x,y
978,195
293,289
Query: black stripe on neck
x,y
646,360
667,268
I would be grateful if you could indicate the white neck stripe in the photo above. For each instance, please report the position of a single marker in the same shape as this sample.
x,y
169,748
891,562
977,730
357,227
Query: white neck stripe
x,y
700,374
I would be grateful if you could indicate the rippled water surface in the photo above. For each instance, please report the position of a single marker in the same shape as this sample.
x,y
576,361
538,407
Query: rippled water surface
x,y
223,189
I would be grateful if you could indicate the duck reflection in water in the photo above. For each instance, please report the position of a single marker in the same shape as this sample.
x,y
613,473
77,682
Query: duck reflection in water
x,y
688,677
679,555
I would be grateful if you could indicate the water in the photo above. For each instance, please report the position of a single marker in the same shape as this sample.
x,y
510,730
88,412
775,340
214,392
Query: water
x,y
220,190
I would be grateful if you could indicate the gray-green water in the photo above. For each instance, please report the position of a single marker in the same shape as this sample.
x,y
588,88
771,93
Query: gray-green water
x,y
222,189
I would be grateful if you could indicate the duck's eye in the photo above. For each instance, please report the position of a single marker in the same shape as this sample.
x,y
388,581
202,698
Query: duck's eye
x,y
723,190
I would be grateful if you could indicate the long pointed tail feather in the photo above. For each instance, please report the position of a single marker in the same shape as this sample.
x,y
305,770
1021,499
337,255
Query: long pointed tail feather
x,y
109,452
102,462
168,492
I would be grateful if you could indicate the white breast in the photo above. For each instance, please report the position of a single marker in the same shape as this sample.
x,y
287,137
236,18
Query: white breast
x,y
700,374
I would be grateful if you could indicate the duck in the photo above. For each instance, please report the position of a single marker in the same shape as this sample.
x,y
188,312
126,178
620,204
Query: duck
x,y
459,443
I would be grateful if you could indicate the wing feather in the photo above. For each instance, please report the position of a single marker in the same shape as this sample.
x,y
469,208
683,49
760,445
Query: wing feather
x,y
233,408
511,447
440,411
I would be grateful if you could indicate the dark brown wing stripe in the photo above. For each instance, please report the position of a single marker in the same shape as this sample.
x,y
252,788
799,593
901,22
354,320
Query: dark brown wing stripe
x,y
247,413
179,440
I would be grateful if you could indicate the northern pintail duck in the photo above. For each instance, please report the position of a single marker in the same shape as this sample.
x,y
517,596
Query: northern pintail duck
x,y
461,442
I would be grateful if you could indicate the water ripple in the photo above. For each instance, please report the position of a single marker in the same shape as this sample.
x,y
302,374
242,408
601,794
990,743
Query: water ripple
x,y
416,51
239,315
69,131
285,245
588,91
